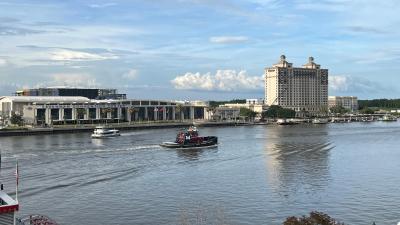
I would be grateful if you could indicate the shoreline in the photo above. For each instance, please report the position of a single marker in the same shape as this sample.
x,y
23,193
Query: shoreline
x,y
120,126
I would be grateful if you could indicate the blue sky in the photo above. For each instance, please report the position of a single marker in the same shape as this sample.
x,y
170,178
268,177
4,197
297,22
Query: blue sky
x,y
198,49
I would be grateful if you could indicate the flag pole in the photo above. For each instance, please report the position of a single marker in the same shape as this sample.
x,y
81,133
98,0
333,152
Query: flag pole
x,y
16,186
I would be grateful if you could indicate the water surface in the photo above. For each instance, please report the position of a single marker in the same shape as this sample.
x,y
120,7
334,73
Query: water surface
x,y
257,175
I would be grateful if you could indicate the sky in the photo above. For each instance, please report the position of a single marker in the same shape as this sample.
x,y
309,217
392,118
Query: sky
x,y
198,49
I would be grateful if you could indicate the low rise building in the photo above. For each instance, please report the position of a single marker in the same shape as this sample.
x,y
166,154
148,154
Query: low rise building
x,y
226,113
347,102
46,110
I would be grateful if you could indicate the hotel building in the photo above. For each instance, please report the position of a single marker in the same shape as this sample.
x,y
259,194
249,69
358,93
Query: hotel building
x,y
303,89
347,102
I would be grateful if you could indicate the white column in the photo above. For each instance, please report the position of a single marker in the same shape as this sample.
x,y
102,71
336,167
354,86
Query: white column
x,y
164,113
173,112
97,113
47,115
61,114
191,112
146,113
74,116
119,112
87,114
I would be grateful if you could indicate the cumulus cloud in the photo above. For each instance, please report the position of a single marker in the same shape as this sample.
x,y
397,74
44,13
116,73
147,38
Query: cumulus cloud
x,y
228,39
130,75
222,80
69,55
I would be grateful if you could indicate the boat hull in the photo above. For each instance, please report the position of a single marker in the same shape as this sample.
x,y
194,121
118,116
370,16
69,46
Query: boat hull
x,y
105,135
208,142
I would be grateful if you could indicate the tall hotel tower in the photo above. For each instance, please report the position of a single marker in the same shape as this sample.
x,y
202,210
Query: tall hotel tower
x,y
303,89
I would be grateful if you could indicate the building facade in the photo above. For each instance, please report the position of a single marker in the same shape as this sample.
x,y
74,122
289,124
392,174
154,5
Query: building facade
x,y
347,102
46,110
303,89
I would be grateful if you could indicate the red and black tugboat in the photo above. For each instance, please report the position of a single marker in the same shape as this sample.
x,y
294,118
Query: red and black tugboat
x,y
191,139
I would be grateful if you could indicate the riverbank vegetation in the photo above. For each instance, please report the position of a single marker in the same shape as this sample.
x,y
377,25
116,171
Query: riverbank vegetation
x,y
278,112
379,103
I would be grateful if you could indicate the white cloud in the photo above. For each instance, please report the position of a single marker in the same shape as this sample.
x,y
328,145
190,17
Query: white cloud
x,y
70,80
223,80
228,39
338,83
105,5
3,62
130,75
69,55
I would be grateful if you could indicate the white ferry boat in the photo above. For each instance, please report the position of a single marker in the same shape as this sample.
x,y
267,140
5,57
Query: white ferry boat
x,y
101,132
320,121
286,122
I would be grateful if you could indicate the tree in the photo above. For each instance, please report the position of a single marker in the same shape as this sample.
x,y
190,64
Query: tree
x,y
276,111
16,119
367,110
132,111
248,113
80,114
315,218
338,109
179,109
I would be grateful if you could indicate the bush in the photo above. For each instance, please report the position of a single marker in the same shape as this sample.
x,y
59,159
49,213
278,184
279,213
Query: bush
x,y
16,119
315,218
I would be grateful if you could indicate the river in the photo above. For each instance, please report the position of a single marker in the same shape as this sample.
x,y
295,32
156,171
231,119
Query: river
x,y
257,175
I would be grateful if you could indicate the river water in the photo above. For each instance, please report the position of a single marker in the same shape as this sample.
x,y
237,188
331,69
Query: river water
x,y
257,175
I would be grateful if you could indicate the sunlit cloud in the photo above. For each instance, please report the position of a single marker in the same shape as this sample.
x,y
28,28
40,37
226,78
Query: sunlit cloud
x,y
222,80
228,39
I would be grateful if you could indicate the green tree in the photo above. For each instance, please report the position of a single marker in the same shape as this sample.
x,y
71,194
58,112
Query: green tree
x,y
315,218
248,113
366,110
339,110
80,113
276,111
16,119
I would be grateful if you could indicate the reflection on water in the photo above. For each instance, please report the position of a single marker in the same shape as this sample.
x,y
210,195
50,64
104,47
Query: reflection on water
x,y
298,159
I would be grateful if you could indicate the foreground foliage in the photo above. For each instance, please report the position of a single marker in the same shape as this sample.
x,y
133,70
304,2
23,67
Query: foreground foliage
x,y
315,218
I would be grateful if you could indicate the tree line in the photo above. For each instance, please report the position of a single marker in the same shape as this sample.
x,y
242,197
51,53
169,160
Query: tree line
x,y
379,103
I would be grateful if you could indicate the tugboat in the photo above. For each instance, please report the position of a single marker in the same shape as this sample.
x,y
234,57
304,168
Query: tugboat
x,y
191,139
101,132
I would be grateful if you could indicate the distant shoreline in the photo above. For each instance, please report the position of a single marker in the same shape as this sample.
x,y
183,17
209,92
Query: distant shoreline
x,y
121,126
